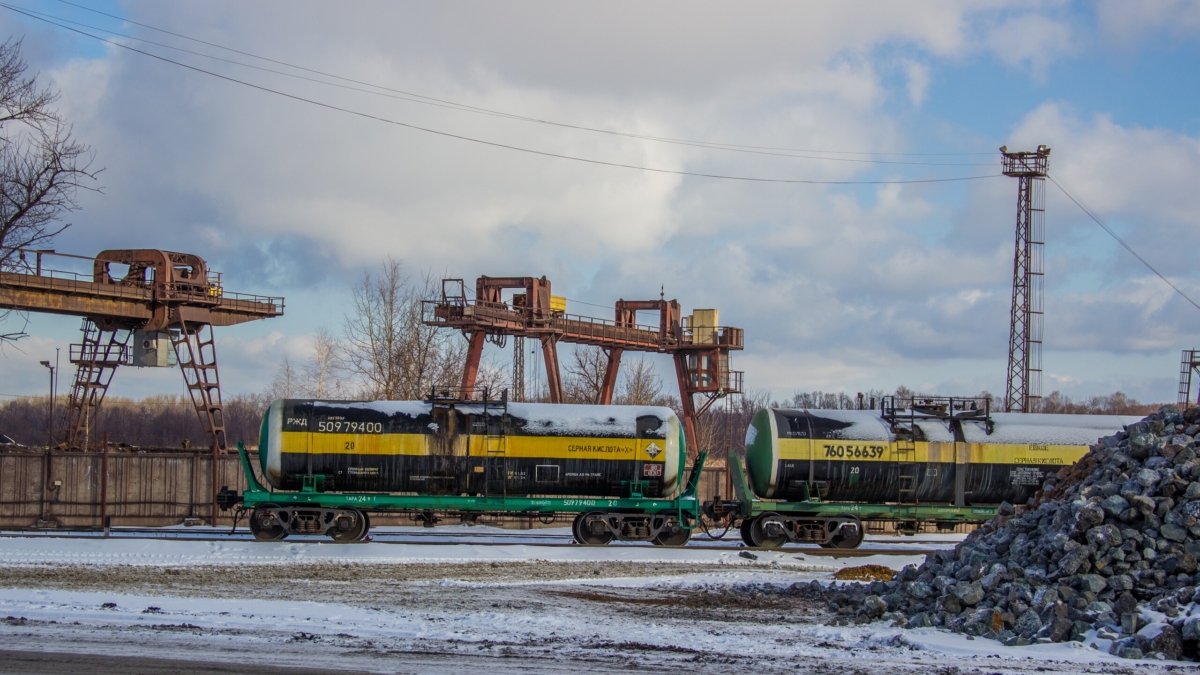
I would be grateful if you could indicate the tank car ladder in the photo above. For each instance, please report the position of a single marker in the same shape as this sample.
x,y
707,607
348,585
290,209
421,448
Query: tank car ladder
x,y
495,422
907,476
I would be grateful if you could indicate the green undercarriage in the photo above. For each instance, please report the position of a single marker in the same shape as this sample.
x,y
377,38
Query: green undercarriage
x,y
749,506
686,505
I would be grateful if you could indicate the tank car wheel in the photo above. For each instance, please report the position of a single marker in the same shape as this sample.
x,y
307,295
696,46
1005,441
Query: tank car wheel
x,y
848,541
269,533
356,530
586,538
680,538
747,523
761,538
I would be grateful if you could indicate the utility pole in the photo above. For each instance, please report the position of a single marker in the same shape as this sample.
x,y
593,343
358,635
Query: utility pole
x,y
50,422
1025,327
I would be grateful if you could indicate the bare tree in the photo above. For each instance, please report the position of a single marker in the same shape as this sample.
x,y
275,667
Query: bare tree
x,y
585,375
321,373
286,383
42,167
387,346
641,384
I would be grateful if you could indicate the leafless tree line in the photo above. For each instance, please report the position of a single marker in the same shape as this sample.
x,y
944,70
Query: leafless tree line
x,y
153,422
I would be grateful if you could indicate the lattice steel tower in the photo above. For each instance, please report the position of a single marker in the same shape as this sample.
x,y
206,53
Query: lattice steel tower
x,y
1025,332
518,374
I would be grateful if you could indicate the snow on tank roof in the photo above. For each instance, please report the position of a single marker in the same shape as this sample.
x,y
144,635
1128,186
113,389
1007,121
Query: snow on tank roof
x,y
1045,429
865,425
548,419
411,408
555,419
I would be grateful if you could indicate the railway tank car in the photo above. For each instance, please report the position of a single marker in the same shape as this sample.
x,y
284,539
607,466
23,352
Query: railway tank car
x,y
404,455
814,473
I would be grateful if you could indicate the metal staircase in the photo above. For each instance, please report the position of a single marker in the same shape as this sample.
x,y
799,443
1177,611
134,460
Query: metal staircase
x,y
96,358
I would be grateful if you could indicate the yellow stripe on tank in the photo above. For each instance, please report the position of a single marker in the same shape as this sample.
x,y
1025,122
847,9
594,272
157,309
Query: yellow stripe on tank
x,y
931,452
542,447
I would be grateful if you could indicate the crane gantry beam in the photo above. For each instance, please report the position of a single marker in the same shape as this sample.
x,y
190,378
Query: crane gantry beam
x,y
168,301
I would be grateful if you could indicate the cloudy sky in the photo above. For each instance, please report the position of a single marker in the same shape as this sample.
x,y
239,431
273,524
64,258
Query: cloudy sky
x,y
839,287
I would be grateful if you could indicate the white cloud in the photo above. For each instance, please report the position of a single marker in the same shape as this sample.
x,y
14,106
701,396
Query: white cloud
x,y
834,285
1126,23
918,82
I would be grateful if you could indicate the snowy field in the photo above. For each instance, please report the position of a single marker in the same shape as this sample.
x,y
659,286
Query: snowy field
x,y
243,606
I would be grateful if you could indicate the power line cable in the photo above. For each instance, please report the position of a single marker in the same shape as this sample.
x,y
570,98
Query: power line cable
x,y
450,105
1120,241
480,141
470,108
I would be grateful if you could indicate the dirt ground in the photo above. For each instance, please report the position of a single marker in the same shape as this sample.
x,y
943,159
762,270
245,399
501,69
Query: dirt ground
x,y
529,617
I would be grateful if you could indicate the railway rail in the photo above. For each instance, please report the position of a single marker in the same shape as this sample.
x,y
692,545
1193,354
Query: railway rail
x,y
459,538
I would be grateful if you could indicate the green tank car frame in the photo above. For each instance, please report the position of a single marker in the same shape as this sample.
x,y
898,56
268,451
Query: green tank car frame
x,y
344,515
771,524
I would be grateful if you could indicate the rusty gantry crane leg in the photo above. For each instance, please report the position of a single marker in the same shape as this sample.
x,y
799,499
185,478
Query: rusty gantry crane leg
x,y
96,359
608,386
196,352
474,353
553,376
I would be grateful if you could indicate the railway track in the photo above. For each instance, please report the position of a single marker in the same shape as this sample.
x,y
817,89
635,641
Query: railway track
x,y
459,538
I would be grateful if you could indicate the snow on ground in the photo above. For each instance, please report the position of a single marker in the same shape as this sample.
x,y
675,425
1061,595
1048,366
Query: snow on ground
x,y
394,607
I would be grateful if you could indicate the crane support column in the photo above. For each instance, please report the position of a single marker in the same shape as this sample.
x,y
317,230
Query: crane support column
x,y
553,378
609,385
474,353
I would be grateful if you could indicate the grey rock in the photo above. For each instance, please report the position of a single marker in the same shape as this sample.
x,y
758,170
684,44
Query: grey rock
x,y
1060,629
951,604
918,620
1148,478
1131,623
969,594
919,590
991,580
1028,624
1191,628
1142,503
1121,582
1092,582
1114,505
1173,532
874,606
1071,562
1168,643
1103,537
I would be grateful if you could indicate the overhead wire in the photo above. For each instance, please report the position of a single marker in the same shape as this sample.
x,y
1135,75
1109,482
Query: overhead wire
x,y
587,160
754,149
1096,219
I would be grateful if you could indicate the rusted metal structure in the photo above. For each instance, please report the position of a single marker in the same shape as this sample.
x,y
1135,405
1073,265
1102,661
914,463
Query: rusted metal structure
x,y
1025,326
700,348
160,301
1189,365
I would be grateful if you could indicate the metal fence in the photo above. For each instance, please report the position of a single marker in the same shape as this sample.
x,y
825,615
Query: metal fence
x,y
80,489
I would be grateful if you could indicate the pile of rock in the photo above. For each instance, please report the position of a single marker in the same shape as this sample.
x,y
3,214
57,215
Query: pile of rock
x,y
1106,555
